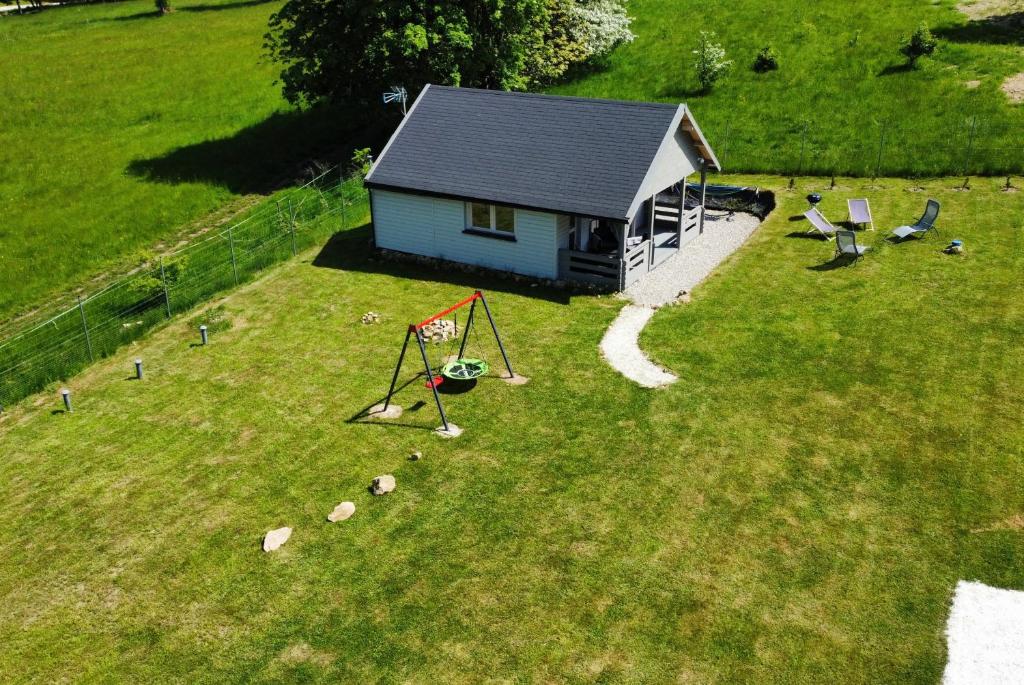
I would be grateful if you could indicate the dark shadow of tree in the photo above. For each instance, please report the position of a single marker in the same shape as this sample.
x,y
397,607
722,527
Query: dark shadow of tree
x,y
352,250
902,68
207,7
1005,29
259,158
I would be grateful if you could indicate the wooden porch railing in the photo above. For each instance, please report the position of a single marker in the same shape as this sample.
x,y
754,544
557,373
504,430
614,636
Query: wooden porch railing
x,y
634,265
589,268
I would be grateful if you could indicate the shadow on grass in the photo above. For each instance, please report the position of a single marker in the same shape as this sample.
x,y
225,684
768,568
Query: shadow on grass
x,y
351,251
155,14
1004,29
257,159
839,262
807,236
679,92
903,68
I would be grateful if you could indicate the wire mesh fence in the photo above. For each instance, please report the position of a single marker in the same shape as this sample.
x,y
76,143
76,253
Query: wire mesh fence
x,y
971,146
54,348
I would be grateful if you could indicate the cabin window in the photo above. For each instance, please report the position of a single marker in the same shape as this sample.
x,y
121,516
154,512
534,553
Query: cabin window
x,y
487,217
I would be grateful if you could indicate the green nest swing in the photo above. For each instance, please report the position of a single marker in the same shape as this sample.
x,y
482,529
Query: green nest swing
x,y
465,369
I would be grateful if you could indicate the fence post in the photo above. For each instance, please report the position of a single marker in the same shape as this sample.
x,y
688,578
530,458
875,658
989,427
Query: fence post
x,y
231,244
85,327
970,145
291,222
167,296
341,191
881,146
725,140
803,147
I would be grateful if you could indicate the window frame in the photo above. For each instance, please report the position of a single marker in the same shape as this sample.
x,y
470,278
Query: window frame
x,y
492,230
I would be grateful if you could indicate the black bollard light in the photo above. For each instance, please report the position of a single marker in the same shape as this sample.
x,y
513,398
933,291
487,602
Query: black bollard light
x,y
202,334
66,394
138,369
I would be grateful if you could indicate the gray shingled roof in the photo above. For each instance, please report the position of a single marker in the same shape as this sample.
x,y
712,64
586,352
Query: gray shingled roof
x,y
564,154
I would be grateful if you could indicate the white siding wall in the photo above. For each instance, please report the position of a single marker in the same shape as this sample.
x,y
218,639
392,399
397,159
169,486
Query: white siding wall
x,y
434,227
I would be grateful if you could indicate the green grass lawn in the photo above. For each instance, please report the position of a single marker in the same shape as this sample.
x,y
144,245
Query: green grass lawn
x,y
121,127
843,94
844,445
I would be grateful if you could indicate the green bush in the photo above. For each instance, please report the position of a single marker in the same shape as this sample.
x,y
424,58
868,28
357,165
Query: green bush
x,y
921,43
766,60
361,161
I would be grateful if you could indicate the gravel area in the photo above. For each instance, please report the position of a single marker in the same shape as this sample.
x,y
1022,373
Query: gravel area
x,y
723,233
619,348
985,636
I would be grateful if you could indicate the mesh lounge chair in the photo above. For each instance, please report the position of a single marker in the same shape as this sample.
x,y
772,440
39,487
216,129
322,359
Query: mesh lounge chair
x,y
924,224
846,245
860,213
819,223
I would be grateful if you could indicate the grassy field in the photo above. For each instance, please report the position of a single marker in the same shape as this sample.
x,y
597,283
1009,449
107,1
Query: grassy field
x,y
844,444
840,79
121,127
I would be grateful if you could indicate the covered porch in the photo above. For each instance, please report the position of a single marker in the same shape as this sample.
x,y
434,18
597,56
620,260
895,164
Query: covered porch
x,y
615,255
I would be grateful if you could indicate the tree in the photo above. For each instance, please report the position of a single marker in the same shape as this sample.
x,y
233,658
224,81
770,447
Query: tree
x,y
921,43
353,49
711,64
578,31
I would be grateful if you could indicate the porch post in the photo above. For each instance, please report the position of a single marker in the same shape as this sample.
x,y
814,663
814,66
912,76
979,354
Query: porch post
x,y
682,208
623,230
650,233
703,190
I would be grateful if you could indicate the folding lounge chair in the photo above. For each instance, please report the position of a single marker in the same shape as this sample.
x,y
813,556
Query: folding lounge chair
x,y
846,245
924,224
860,213
819,223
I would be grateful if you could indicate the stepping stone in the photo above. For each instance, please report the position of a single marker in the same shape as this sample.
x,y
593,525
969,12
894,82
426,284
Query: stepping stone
x,y
276,538
377,411
342,512
452,432
382,485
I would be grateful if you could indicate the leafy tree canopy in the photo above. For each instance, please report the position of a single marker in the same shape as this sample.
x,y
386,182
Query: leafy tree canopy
x,y
341,49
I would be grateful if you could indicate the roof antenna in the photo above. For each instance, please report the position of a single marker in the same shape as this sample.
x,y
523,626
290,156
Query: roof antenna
x,y
396,94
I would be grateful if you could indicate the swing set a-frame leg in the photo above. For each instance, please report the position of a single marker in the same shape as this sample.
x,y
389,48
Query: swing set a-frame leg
x,y
487,310
430,377
398,367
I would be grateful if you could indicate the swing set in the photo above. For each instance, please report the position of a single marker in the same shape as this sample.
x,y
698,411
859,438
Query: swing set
x,y
461,368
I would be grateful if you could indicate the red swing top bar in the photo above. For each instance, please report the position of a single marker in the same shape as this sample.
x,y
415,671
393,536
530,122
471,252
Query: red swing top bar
x,y
435,317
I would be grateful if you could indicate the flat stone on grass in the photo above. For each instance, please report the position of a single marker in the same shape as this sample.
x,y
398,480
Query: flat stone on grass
x,y
452,432
515,379
341,512
275,538
378,413
382,485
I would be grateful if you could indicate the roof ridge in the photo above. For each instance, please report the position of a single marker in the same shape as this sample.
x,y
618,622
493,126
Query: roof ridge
x,y
548,96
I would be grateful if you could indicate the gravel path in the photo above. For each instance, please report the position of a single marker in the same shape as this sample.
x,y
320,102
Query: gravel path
x,y
619,348
723,234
